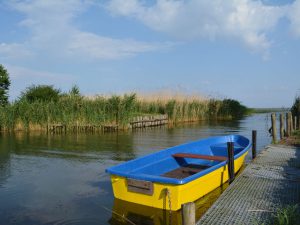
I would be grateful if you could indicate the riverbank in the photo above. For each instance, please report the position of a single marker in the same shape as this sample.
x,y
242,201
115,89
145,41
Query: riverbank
x,y
80,113
266,190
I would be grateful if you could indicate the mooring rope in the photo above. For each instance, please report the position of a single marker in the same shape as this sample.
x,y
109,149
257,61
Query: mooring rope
x,y
170,205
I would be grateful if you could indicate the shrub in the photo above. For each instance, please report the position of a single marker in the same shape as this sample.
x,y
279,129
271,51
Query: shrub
x,y
43,93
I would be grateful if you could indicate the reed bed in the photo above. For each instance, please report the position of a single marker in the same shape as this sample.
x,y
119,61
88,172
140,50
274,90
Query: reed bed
x,y
117,110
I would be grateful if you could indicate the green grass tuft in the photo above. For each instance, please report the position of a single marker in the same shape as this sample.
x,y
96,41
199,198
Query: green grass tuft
x,y
288,215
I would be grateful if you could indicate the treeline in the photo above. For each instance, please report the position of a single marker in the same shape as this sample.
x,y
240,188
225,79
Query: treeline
x,y
39,106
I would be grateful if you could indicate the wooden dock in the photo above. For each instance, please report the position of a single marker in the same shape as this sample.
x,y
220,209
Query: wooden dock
x,y
270,183
148,121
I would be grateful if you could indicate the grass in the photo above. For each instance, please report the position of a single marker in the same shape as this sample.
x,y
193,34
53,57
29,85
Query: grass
x,y
288,215
73,110
293,140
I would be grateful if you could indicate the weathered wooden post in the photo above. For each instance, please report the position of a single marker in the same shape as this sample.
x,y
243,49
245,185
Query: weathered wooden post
x,y
292,124
254,134
295,123
274,131
230,165
287,129
188,213
281,126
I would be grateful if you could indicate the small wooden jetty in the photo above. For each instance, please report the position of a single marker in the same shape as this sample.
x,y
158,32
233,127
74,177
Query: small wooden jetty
x,y
148,121
271,182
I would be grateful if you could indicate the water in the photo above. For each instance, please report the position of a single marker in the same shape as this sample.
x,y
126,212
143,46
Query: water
x,y
60,179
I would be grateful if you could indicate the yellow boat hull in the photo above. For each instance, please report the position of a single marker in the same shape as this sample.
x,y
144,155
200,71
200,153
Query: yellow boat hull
x,y
172,196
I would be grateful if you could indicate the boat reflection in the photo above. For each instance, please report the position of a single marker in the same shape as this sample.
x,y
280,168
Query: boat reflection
x,y
134,214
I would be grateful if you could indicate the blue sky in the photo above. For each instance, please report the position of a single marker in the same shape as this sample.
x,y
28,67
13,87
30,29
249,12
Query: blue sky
x,y
242,49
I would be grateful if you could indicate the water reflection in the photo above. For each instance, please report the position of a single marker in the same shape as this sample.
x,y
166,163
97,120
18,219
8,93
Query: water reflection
x,y
4,159
131,213
119,146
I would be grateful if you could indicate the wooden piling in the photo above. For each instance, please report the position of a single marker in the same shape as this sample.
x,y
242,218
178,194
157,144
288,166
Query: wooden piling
x,y
292,124
230,164
188,214
254,135
274,131
287,129
281,126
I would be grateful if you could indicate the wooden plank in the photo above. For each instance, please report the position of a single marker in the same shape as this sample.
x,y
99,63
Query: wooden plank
x,y
198,156
140,186
185,171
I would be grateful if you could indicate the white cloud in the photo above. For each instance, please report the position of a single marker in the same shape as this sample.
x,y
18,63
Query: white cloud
x,y
23,77
294,16
245,20
14,51
99,47
52,30
19,72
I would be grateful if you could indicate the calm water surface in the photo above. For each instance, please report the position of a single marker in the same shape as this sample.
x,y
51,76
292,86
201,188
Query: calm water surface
x,y
60,179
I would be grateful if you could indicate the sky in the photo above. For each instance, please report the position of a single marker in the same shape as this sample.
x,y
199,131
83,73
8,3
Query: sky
x,y
248,50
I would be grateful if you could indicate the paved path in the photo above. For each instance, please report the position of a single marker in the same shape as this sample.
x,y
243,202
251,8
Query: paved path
x,y
270,182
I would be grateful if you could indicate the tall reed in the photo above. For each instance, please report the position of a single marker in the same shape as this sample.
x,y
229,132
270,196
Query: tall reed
x,y
73,110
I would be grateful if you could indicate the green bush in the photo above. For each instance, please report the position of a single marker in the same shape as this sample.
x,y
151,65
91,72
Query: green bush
x,y
4,86
44,93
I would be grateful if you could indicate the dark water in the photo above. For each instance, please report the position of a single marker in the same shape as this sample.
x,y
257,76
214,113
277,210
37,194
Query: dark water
x,y
60,179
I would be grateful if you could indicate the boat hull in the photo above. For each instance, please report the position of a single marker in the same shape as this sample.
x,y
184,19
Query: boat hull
x,y
172,196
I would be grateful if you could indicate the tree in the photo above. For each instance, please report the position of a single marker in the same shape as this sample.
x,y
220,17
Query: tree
x,y
4,86
44,93
74,92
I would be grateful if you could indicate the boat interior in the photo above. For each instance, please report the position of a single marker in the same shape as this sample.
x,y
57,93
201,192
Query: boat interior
x,y
180,162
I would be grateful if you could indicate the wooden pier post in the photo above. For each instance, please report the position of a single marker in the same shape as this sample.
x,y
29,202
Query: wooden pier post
x,y
281,126
230,165
287,130
188,214
274,131
292,124
254,135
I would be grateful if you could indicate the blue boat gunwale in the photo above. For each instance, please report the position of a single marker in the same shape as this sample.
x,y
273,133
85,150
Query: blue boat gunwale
x,y
166,180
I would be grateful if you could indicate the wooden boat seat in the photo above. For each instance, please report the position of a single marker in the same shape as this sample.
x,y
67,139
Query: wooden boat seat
x,y
185,171
191,169
198,156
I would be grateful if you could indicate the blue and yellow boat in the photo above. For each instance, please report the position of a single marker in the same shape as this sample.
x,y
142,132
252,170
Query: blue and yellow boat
x,y
177,175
